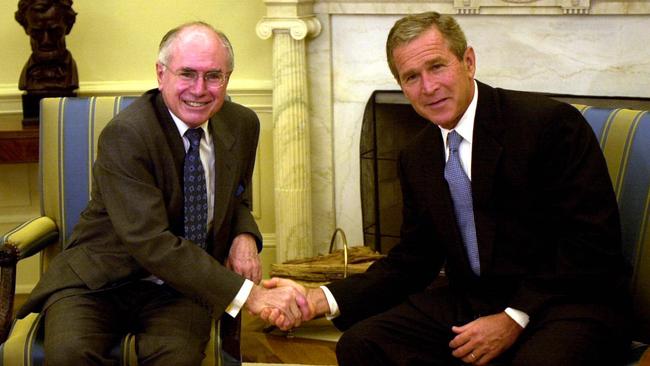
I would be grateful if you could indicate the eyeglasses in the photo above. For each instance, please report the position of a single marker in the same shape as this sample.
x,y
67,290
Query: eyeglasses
x,y
211,78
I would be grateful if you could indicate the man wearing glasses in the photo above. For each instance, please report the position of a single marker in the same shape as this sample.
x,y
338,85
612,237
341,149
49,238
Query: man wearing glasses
x,y
167,241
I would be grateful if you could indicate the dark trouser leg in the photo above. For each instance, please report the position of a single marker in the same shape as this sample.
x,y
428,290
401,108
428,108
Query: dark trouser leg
x,y
403,335
170,329
575,342
81,330
418,333
174,330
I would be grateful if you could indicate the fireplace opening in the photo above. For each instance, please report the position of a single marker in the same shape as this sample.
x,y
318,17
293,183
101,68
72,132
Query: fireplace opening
x,y
389,123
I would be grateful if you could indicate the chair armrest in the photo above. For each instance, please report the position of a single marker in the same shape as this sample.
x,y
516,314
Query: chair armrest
x,y
20,242
8,259
32,236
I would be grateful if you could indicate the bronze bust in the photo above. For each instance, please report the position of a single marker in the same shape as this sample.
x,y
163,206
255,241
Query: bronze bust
x,y
51,65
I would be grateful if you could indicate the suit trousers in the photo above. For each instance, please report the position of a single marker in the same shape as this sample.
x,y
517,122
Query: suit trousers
x,y
169,328
412,334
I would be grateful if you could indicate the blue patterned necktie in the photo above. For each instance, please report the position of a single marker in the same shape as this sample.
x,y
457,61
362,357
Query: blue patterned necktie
x,y
194,191
461,193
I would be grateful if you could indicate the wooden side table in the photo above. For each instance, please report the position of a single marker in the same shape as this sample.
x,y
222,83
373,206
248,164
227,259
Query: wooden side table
x,y
18,144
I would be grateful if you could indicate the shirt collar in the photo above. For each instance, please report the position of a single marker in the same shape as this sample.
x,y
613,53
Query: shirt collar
x,y
182,127
465,126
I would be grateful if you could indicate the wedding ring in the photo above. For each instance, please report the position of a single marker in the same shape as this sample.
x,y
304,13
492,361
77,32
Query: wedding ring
x,y
473,356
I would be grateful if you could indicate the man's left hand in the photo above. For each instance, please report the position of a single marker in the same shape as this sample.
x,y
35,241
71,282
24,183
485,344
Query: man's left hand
x,y
480,341
244,259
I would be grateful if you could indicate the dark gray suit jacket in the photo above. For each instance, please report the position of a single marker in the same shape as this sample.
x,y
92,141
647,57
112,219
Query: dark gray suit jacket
x,y
133,224
546,219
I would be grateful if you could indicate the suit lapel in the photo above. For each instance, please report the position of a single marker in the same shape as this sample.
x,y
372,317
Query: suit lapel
x,y
223,141
440,198
432,162
486,152
175,143
174,139
427,179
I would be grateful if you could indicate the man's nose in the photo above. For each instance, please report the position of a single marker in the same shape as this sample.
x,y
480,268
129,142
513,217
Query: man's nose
x,y
199,85
429,83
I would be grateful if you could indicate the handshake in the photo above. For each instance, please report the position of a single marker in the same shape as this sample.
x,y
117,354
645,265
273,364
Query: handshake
x,y
285,303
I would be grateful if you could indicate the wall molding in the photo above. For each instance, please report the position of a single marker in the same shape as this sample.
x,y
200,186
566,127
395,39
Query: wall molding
x,y
255,91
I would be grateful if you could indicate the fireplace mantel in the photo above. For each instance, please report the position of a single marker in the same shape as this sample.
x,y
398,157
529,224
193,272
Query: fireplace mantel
x,y
552,46
484,7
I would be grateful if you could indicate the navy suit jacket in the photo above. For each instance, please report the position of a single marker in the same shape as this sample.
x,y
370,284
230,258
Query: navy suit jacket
x,y
546,218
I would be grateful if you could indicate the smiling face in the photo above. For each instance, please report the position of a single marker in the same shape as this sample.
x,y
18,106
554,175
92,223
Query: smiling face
x,y
439,85
196,49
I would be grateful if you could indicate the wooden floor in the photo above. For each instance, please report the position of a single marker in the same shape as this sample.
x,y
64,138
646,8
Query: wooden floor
x,y
278,347
259,345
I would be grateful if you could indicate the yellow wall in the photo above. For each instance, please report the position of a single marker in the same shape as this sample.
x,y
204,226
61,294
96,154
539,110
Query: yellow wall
x,y
115,41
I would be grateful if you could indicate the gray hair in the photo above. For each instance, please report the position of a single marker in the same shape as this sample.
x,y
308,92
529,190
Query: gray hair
x,y
164,49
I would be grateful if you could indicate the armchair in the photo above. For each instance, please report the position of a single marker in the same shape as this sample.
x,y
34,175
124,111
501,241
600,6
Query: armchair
x,y
624,137
69,128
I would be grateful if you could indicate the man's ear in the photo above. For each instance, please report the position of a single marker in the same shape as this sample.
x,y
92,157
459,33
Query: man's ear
x,y
160,68
469,58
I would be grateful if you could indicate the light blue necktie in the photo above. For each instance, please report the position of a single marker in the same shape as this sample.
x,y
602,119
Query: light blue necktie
x,y
194,191
461,193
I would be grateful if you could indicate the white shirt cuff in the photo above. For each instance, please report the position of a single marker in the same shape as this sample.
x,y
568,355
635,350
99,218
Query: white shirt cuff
x,y
334,307
518,316
238,302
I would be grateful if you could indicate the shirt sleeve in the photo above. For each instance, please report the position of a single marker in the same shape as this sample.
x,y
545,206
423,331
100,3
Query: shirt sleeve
x,y
333,305
518,316
240,299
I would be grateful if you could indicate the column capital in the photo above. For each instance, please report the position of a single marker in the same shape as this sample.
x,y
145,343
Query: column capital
x,y
295,16
299,28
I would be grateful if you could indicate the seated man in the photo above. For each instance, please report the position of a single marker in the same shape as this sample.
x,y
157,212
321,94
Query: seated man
x,y
167,241
511,193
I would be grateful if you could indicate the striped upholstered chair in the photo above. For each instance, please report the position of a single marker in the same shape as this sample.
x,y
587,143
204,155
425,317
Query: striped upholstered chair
x,y
69,128
624,137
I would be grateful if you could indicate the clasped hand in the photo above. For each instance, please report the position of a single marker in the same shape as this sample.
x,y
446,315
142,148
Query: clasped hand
x,y
280,302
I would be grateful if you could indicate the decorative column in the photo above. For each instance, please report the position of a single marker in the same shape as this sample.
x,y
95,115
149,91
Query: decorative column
x,y
290,22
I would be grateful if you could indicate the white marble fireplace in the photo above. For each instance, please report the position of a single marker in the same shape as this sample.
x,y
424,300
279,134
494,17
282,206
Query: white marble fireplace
x,y
582,47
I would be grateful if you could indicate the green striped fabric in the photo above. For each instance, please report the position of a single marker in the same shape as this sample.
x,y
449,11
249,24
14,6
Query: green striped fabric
x,y
624,137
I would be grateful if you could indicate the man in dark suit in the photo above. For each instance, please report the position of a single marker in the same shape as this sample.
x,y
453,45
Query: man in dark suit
x,y
135,263
530,247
